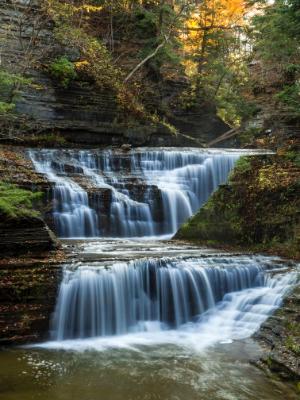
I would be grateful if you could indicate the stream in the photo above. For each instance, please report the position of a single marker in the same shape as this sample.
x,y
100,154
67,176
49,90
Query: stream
x,y
140,317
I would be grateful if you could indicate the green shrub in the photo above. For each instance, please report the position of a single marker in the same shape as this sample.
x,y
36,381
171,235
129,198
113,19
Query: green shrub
x,y
63,70
16,202
290,97
10,89
7,79
242,166
6,107
294,157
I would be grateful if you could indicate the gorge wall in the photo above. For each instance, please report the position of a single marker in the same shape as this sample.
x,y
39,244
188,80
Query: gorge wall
x,y
83,113
28,290
30,255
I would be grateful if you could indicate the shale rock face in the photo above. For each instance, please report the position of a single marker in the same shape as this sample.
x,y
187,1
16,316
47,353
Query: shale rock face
x,y
28,290
29,270
25,235
83,113
280,335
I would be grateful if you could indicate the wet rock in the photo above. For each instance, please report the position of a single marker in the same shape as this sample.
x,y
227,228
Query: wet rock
x,y
126,147
280,336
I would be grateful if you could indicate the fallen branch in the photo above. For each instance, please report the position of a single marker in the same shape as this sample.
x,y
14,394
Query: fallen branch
x,y
224,136
151,55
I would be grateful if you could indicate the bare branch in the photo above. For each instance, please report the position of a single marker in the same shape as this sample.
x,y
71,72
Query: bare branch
x,y
151,55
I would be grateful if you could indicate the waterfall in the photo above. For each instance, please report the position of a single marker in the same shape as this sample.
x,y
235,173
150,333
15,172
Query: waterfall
x,y
140,193
168,294
150,193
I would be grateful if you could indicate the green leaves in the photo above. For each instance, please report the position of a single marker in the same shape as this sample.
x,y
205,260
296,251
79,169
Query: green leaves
x,y
16,202
6,108
63,70
10,89
290,97
7,79
277,36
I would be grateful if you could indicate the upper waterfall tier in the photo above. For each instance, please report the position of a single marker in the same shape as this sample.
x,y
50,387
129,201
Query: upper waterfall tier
x,y
129,194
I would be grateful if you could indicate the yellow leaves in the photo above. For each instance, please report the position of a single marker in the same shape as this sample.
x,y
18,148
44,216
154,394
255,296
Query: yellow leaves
x,y
61,11
88,8
212,15
38,86
80,65
275,176
190,67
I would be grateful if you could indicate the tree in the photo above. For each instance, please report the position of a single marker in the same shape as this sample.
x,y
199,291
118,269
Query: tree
x,y
217,52
22,41
277,36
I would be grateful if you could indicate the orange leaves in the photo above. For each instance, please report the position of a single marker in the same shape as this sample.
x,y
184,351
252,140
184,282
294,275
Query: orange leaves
x,y
212,16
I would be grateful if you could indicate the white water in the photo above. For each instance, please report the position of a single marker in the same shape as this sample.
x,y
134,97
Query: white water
x,y
181,299
146,193
185,302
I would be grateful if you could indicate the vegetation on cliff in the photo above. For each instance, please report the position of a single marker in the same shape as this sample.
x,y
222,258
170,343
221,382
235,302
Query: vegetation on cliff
x,y
16,202
135,49
257,210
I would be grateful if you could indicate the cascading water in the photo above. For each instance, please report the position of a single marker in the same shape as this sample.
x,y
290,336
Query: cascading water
x,y
234,293
153,306
150,193
135,194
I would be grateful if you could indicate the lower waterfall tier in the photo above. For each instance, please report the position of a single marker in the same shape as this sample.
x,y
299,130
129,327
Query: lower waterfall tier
x,y
236,292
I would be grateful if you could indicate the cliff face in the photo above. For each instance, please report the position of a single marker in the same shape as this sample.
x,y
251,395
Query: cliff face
x,y
30,257
23,234
83,113
28,289
280,336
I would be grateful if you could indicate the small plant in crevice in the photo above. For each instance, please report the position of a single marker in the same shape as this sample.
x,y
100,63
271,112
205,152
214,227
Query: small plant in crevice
x,y
63,70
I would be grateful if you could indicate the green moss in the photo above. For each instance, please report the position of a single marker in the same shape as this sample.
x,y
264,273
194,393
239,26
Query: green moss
x,y
51,139
242,166
292,345
16,202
